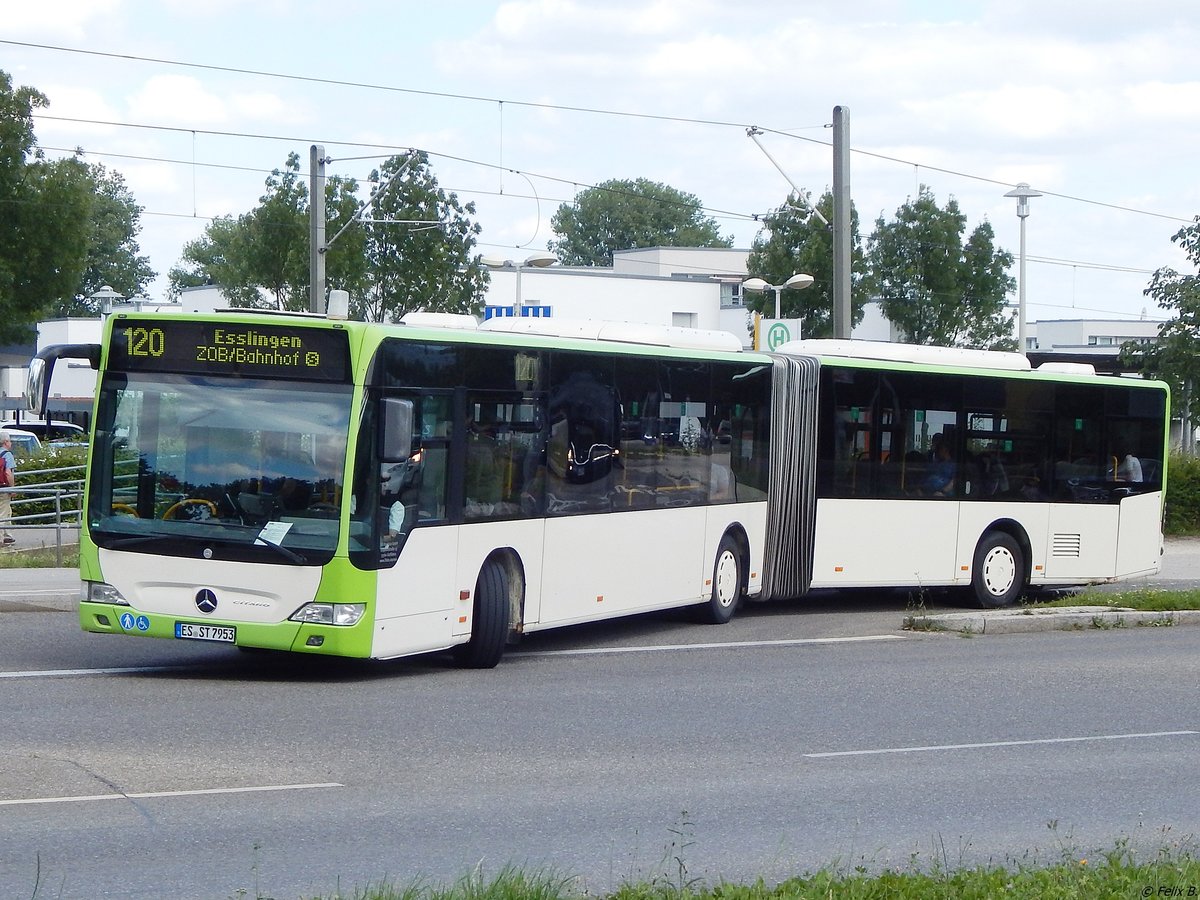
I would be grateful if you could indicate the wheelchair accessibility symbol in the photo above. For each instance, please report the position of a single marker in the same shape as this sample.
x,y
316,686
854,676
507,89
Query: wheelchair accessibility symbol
x,y
777,335
128,622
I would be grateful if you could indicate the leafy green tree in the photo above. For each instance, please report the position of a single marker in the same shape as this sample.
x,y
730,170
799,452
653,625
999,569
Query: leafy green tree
x,y
261,258
420,244
934,287
624,215
112,253
794,240
45,208
218,257
346,265
276,239
1175,356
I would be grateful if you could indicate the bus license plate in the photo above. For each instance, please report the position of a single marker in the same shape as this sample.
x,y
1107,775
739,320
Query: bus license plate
x,y
197,631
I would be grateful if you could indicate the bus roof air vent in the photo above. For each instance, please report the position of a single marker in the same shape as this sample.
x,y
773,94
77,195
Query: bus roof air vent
x,y
671,336
617,332
1067,368
914,353
439,320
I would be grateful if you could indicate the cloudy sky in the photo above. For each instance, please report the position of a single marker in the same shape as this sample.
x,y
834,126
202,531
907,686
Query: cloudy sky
x,y
522,103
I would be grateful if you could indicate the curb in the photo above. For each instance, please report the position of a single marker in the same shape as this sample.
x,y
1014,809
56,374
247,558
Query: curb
x,y
1067,618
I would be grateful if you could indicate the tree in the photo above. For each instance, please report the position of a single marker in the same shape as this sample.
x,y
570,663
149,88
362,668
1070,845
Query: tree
x,y
936,289
45,208
112,250
1175,356
218,257
623,215
276,238
794,240
267,249
420,246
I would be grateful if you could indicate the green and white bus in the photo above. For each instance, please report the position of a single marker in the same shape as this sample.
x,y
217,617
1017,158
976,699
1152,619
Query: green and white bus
x,y
324,486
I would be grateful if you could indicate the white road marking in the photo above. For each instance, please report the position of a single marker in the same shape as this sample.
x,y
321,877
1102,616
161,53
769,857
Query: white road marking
x,y
718,645
587,651
1065,740
156,794
69,673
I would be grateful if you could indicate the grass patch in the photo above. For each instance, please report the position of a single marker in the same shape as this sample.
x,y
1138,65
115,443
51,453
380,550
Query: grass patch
x,y
41,558
1120,873
1145,600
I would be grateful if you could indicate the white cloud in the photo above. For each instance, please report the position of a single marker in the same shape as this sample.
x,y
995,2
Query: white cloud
x,y
177,99
1158,101
69,18
264,107
70,107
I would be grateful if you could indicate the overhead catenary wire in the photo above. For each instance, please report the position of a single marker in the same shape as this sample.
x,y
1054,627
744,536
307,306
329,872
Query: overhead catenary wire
x,y
714,213
559,107
576,184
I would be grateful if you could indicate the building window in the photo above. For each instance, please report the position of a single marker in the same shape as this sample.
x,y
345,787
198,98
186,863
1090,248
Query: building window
x,y
534,311
683,319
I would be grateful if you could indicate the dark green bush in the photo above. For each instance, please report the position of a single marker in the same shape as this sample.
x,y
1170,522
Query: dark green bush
x,y
1183,495
46,468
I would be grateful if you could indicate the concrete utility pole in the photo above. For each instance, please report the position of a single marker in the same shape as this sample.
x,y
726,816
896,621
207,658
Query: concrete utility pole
x,y
841,223
316,228
1022,192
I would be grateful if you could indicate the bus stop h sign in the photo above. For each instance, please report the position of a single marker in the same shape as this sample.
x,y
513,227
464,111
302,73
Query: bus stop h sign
x,y
774,333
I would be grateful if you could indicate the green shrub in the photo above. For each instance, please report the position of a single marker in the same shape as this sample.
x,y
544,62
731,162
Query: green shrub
x,y
1183,495
48,467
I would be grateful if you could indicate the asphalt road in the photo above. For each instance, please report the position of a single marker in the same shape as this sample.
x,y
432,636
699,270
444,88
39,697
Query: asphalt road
x,y
799,735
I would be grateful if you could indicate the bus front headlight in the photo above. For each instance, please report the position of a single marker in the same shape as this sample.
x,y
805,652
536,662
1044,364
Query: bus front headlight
x,y
330,613
101,592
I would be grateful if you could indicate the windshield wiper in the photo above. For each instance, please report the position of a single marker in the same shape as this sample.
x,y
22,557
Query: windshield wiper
x,y
283,551
134,541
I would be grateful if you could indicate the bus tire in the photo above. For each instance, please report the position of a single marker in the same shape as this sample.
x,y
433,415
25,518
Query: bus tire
x,y
489,621
998,573
728,583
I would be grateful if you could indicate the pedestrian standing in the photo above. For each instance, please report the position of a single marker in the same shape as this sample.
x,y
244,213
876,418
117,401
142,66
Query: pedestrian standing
x,y
8,472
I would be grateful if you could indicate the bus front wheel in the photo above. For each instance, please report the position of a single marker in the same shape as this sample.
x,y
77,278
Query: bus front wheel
x,y
489,621
728,583
998,575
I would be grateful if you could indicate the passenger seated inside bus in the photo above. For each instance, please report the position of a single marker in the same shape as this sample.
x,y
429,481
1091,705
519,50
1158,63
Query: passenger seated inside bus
x,y
939,482
993,480
1128,468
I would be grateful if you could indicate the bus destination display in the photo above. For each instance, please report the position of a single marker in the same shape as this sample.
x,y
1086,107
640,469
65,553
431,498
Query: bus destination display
x,y
225,348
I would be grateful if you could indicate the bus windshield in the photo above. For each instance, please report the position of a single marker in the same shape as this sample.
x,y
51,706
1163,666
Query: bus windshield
x,y
253,469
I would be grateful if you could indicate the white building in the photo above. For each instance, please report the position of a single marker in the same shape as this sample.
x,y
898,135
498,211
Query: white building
x,y
1094,337
689,287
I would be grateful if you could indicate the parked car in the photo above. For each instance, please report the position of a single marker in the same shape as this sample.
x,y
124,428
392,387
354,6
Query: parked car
x,y
24,443
54,430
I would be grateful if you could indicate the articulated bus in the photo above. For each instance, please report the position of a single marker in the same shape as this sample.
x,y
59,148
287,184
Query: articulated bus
x,y
294,482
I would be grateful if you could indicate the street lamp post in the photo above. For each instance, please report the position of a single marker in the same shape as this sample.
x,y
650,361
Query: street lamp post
x,y
106,297
1022,192
534,261
799,281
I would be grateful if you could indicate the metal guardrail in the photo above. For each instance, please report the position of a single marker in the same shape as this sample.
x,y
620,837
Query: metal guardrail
x,y
61,491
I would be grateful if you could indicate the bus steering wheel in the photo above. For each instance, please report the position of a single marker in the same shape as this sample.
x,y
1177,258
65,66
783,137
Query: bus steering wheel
x,y
190,501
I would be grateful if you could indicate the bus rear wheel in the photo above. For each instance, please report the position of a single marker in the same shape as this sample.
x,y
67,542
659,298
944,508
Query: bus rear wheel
x,y
728,583
998,574
489,621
